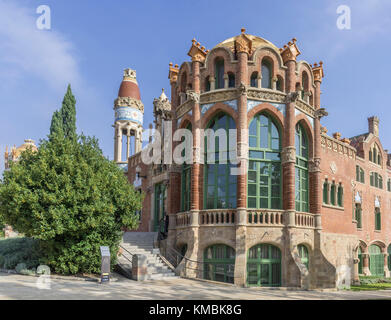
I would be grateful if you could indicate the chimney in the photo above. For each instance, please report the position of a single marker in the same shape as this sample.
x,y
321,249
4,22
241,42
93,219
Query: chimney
x,y
373,125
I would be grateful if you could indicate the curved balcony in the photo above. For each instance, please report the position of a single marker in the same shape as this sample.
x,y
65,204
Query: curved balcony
x,y
254,218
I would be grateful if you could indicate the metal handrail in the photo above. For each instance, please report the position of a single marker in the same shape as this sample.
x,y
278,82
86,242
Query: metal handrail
x,y
126,251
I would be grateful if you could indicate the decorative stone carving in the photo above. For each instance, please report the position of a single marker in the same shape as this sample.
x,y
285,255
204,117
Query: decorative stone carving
x,y
217,96
266,95
314,165
193,96
129,102
292,97
320,113
333,167
288,155
337,146
242,89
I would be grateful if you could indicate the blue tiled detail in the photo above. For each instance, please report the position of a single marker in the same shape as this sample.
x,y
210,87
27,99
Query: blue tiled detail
x,y
279,106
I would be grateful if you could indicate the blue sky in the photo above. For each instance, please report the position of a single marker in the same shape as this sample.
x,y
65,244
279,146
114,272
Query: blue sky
x,y
91,42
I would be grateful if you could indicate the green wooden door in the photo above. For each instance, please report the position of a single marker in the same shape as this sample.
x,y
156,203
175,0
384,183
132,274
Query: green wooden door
x,y
376,261
264,266
389,257
359,261
160,208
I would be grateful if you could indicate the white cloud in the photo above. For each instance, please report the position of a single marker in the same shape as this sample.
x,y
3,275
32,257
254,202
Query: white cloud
x,y
28,52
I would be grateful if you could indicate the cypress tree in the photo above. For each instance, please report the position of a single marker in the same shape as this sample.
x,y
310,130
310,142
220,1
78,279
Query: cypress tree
x,y
68,114
56,126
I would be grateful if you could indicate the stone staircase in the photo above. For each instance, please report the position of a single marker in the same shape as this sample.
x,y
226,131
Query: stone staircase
x,y
143,243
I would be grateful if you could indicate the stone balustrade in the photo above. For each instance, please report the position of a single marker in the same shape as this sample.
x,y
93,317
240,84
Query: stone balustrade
x,y
304,220
182,219
262,217
217,217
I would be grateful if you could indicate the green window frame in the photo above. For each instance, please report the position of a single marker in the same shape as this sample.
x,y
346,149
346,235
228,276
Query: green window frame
x,y
377,219
220,186
219,73
326,192
376,261
264,178
332,193
389,185
303,254
301,170
376,180
375,155
340,196
358,215
360,261
219,263
186,181
264,266
160,206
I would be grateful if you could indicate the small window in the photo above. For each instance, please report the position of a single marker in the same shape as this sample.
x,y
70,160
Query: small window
x,y
358,215
254,80
304,256
389,185
326,192
231,80
219,73
279,84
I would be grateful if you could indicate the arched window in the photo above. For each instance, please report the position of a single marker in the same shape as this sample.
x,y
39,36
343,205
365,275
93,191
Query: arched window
x,y
376,261
219,73
377,219
303,254
376,180
219,263
332,193
301,170
231,80
326,192
340,196
264,172
358,215
264,266
254,80
375,155
266,71
185,181
360,176
219,184
183,82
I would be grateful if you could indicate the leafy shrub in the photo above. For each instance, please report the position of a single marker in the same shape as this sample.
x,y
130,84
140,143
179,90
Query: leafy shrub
x,y
22,269
16,251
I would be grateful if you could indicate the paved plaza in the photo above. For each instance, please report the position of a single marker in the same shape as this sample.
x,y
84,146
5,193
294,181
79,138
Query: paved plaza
x,y
24,287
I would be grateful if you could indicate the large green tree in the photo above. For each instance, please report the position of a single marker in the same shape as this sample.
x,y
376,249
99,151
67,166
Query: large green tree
x,y
69,197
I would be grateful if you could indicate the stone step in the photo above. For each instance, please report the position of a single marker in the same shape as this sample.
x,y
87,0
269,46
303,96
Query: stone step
x,y
159,276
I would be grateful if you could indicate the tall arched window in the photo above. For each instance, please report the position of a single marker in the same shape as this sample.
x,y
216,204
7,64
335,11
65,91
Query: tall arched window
x,y
360,176
219,263
332,193
219,73
375,155
219,184
254,80
301,172
340,196
280,84
185,182
304,84
266,71
264,172
207,84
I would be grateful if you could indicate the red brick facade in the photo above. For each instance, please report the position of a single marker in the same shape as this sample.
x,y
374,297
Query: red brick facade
x,y
329,232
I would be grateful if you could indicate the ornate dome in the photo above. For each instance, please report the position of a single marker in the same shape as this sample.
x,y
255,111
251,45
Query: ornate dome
x,y
129,86
256,42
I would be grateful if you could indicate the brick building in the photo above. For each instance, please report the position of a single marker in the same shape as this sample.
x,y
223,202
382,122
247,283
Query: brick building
x,y
311,210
